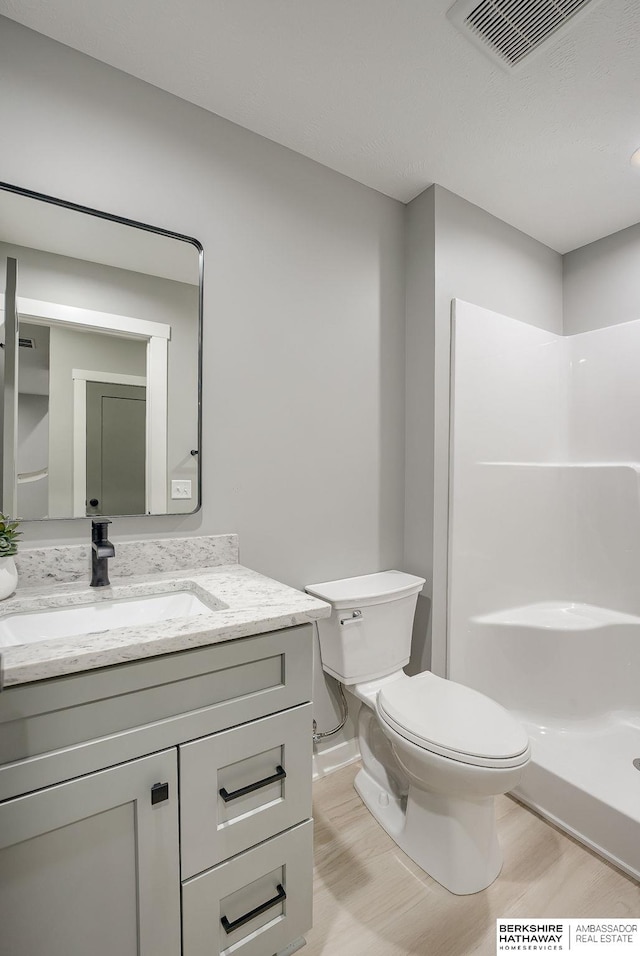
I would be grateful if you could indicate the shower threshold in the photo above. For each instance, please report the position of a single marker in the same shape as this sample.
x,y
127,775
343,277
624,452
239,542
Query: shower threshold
x,y
582,777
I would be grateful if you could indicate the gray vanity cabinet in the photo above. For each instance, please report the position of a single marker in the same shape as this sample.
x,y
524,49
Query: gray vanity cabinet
x,y
92,865
161,807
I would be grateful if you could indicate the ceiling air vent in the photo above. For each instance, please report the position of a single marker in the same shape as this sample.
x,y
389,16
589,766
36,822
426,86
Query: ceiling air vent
x,y
510,30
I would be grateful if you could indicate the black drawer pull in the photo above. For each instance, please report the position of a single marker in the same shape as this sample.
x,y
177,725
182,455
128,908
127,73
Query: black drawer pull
x,y
229,927
280,774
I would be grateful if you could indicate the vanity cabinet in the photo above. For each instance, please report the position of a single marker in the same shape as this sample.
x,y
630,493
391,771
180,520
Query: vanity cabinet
x,y
160,807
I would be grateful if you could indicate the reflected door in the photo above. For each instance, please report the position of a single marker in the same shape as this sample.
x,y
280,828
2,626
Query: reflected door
x,y
116,446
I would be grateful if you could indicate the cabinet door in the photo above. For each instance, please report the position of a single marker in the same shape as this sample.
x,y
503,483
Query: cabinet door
x,y
91,866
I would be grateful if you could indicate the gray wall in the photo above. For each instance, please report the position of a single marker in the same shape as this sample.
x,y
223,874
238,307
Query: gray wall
x,y
420,353
303,397
602,282
483,260
303,327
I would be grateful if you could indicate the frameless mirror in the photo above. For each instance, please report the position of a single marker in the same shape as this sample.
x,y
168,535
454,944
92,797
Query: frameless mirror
x,y
99,363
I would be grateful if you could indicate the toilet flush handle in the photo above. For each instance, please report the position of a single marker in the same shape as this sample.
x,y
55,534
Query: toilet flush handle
x,y
355,617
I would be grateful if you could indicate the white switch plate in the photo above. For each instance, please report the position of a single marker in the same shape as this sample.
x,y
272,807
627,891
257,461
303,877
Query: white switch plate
x,y
181,488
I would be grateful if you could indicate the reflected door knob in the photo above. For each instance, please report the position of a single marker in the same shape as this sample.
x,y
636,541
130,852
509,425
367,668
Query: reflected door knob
x,y
94,502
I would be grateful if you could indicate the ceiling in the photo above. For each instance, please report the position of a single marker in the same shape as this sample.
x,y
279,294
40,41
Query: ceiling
x,y
389,93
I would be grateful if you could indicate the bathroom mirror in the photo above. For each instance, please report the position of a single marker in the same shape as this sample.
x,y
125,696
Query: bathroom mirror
x,y
100,362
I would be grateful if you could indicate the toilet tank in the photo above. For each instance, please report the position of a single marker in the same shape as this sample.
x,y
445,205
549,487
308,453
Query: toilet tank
x,y
369,632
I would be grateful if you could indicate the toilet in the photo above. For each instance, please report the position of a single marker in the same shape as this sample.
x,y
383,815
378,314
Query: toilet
x,y
434,753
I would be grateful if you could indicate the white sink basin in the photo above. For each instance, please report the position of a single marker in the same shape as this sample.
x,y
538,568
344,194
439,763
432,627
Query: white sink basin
x,y
31,627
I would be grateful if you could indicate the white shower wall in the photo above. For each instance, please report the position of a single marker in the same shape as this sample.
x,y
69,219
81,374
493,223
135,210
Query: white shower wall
x,y
544,556
605,394
509,409
545,466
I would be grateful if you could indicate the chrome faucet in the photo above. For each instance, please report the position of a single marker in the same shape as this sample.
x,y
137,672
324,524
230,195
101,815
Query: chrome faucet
x,y
101,551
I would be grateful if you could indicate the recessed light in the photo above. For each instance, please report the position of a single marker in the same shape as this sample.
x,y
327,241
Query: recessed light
x,y
635,158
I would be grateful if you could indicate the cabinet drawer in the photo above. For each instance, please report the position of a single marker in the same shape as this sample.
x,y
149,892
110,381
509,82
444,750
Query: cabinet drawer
x,y
125,711
254,904
241,786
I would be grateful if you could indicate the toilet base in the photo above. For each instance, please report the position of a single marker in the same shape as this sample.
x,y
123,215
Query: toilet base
x,y
387,809
452,839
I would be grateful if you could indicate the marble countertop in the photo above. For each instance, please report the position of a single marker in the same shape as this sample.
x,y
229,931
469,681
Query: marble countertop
x,y
242,603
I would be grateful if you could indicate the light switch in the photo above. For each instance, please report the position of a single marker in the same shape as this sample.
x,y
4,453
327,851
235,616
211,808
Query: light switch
x,y
181,488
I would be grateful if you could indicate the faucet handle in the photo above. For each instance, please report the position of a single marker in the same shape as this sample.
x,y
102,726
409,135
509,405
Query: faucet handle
x,y
99,529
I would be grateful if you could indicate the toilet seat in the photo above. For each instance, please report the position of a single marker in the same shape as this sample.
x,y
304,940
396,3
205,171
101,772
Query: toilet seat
x,y
454,721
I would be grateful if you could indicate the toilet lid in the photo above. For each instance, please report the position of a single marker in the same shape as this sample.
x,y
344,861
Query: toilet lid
x,y
452,720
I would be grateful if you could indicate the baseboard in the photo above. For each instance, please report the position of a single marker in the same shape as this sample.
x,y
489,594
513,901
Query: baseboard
x,y
328,758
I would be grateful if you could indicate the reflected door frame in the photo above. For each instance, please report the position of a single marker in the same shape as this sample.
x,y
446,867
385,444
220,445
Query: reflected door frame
x,y
156,335
80,378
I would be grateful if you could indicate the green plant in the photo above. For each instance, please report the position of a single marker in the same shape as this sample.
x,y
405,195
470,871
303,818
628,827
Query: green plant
x,y
8,536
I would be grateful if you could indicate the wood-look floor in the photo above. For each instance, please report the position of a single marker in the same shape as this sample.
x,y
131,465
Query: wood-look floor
x,y
370,899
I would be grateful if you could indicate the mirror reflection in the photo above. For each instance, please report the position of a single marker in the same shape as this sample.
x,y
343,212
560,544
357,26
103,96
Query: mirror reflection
x,y
99,363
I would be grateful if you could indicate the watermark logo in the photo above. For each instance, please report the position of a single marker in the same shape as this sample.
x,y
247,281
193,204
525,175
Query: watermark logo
x,y
582,937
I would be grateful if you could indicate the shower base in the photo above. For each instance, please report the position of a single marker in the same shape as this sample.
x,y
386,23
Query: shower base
x,y
570,671
585,781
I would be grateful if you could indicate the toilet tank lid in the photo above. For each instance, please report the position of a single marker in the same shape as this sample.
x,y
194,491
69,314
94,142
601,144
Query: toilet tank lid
x,y
367,588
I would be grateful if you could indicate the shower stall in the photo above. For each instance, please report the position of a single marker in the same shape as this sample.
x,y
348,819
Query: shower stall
x,y
544,559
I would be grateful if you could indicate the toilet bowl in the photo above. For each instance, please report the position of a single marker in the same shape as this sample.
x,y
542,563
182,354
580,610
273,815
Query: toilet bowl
x,y
434,753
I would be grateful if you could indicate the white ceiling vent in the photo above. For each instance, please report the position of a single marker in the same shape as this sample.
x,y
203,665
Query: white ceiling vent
x,y
510,30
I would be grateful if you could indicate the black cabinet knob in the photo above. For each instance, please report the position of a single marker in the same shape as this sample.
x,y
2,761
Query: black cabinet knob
x,y
159,793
